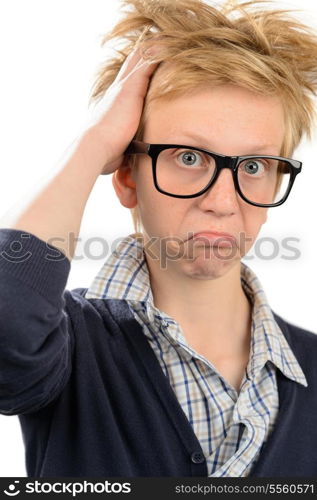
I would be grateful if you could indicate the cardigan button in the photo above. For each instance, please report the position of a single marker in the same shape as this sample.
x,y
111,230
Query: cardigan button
x,y
197,457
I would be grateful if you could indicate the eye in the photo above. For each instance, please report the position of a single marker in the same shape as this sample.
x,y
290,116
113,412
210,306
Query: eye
x,y
190,158
254,168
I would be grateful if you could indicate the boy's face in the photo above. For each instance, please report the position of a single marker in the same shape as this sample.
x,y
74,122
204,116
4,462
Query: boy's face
x,y
228,120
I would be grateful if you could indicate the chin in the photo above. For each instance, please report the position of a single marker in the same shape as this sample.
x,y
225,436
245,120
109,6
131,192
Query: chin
x,y
209,264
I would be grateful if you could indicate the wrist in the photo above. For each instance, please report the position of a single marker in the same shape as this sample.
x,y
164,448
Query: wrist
x,y
94,148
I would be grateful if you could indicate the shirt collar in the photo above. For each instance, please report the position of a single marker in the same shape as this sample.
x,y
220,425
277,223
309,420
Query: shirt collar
x,y
271,343
125,275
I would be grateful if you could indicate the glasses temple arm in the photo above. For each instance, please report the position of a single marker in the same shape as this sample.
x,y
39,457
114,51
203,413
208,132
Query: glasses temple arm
x,y
136,147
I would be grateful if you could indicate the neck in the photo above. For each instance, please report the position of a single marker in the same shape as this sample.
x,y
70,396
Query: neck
x,y
210,312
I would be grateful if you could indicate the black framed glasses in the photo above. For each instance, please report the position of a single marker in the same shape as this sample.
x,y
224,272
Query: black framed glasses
x,y
186,172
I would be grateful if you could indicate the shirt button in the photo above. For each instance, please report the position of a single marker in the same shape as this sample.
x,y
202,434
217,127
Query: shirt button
x,y
197,457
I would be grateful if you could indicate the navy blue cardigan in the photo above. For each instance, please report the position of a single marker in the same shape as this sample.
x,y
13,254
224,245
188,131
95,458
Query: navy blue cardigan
x,y
91,396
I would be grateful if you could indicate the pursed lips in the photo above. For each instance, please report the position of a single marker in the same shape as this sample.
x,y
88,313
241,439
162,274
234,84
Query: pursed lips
x,y
214,237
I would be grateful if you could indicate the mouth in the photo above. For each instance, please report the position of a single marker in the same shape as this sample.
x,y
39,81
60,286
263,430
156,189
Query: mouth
x,y
214,238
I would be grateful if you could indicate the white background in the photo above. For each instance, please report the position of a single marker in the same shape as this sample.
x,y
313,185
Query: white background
x,y
50,52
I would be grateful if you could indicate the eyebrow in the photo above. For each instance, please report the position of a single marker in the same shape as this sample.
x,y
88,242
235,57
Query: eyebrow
x,y
254,149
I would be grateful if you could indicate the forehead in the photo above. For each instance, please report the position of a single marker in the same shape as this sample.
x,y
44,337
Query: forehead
x,y
225,117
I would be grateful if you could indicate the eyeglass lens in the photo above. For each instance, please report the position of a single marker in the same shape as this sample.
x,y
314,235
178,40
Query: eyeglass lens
x,y
187,171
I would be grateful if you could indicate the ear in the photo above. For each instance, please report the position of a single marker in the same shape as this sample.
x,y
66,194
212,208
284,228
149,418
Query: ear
x,y
124,185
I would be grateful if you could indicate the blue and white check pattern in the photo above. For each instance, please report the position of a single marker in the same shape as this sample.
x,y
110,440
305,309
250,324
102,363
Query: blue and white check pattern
x,y
230,426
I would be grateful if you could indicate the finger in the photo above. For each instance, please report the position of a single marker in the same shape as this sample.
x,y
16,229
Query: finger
x,y
141,69
133,58
135,61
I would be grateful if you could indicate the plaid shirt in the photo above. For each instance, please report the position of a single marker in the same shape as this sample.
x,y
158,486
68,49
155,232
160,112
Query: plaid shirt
x,y
230,426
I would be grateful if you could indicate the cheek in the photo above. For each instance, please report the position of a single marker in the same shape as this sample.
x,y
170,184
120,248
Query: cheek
x,y
254,218
150,202
160,214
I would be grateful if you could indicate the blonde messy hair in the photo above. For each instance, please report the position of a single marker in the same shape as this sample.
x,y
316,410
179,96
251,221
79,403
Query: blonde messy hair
x,y
265,51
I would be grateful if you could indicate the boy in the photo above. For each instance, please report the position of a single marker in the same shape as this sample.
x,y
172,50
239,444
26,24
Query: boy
x,y
171,363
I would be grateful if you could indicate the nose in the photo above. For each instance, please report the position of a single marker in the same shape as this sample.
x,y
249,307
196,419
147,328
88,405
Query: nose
x,y
222,197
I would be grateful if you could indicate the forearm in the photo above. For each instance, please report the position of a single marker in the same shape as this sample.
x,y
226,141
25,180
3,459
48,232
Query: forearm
x,y
35,332
55,214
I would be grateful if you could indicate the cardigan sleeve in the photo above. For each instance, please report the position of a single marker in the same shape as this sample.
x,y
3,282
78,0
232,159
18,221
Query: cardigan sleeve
x,y
35,331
